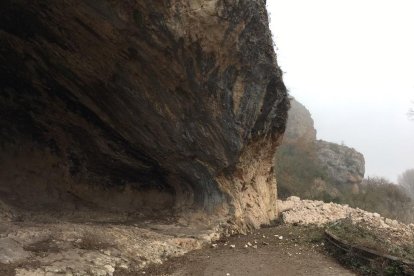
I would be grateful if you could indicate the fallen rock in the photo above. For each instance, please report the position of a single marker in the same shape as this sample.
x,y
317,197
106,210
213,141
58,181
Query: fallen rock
x,y
12,251
293,198
308,212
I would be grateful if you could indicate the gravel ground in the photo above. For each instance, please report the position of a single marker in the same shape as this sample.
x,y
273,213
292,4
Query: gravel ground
x,y
280,250
296,247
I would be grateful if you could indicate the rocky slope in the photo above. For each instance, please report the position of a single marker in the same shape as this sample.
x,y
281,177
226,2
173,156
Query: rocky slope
x,y
315,168
308,212
140,106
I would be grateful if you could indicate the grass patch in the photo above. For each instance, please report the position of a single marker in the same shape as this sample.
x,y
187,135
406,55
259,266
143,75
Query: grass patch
x,y
361,236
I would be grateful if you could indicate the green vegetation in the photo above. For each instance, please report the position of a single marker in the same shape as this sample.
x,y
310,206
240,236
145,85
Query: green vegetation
x,y
297,170
367,237
379,195
299,173
362,235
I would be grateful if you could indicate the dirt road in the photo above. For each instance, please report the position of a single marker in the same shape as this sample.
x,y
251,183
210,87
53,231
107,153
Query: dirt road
x,y
282,250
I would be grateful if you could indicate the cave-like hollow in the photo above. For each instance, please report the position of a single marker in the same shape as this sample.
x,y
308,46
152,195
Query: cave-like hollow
x,y
140,106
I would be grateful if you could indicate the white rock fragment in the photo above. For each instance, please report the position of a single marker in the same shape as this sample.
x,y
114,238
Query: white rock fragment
x,y
293,198
124,266
110,269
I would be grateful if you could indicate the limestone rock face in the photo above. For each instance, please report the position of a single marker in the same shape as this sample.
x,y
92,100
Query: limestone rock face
x,y
140,105
344,164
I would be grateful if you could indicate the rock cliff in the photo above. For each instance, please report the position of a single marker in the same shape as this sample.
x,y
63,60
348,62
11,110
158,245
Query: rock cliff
x,y
343,164
300,127
314,168
143,106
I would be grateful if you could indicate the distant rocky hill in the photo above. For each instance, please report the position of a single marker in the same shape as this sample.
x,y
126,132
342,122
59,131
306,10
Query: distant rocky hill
x,y
343,164
315,168
300,127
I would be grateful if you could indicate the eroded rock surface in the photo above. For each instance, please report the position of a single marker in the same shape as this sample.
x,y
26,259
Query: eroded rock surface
x,y
143,106
343,164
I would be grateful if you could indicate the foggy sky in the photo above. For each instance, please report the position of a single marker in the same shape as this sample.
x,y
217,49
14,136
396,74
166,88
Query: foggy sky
x,y
351,63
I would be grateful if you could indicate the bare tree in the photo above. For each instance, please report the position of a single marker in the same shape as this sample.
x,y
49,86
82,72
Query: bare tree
x,y
411,113
406,180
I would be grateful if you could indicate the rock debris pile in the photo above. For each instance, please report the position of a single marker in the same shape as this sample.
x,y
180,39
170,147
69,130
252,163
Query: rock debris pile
x,y
310,212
